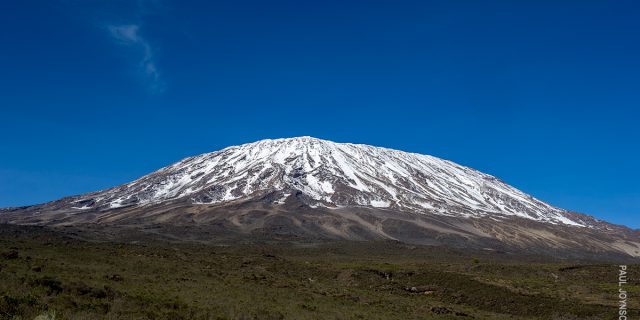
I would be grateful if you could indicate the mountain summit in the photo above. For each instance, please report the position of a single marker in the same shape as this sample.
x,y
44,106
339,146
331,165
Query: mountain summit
x,y
335,190
331,175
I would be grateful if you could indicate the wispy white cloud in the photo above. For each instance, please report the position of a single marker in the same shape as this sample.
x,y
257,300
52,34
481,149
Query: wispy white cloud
x,y
124,22
129,35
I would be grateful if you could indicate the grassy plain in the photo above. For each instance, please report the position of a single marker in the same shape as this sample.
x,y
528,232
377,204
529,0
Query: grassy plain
x,y
53,275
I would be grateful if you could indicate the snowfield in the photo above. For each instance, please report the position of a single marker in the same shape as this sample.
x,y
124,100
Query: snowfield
x,y
332,175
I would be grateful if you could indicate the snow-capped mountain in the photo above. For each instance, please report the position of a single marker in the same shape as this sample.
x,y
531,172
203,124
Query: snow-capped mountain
x,y
331,175
308,187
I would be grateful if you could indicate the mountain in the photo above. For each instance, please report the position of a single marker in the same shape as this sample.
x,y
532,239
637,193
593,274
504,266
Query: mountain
x,y
311,188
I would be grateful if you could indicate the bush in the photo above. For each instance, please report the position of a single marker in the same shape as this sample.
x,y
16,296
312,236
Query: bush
x,y
12,305
48,315
10,255
53,285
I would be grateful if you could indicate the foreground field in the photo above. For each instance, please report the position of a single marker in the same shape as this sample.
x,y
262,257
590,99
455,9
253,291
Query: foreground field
x,y
48,274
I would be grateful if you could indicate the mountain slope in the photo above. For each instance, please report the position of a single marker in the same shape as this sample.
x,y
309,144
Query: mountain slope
x,y
333,181
333,175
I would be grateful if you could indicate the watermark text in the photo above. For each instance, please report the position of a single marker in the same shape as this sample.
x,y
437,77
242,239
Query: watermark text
x,y
622,292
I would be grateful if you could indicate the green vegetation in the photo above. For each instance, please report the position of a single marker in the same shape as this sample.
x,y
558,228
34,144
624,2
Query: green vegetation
x,y
46,275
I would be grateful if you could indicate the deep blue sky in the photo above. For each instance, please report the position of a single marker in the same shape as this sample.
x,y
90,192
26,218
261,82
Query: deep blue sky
x,y
543,94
